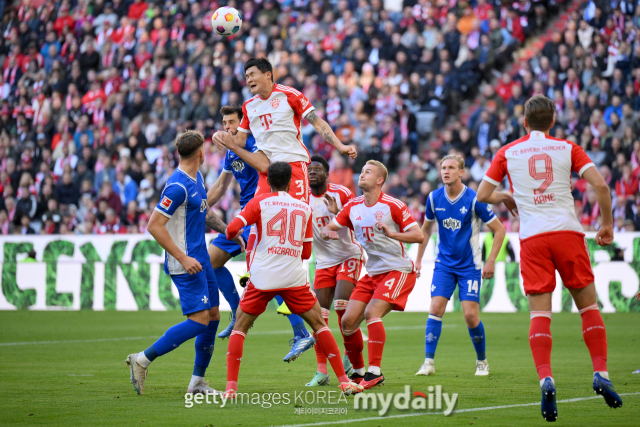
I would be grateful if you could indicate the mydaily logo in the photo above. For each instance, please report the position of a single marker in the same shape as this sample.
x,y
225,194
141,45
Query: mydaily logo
x,y
382,402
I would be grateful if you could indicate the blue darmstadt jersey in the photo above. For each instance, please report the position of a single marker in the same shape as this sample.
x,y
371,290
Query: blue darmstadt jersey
x,y
246,175
458,227
184,202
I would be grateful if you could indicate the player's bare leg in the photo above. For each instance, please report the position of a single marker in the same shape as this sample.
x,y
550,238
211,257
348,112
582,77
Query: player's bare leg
x,y
595,337
325,298
351,320
471,312
323,335
204,351
226,284
375,311
432,334
344,288
244,321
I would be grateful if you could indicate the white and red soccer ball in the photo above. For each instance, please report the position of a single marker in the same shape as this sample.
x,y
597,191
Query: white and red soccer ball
x,y
226,21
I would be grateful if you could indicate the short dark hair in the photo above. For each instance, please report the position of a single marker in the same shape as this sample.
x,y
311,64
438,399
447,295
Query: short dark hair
x,y
318,158
262,64
279,174
189,143
232,109
540,112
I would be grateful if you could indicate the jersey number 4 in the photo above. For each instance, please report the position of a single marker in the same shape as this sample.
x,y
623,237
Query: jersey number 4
x,y
546,174
290,233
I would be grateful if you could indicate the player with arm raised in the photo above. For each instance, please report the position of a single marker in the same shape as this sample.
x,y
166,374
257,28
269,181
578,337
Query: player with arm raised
x,y
383,225
284,230
539,170
459,261
338,262
178,225
221,249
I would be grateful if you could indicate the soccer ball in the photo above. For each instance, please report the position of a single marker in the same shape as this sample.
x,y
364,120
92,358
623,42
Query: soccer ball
x,y
226,21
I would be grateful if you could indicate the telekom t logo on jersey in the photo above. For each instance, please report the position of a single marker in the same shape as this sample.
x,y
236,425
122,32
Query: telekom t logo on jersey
x,y
368,233
266,121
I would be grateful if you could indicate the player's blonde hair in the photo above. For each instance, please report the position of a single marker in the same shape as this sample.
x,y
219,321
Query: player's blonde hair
x,y
455,157
383,168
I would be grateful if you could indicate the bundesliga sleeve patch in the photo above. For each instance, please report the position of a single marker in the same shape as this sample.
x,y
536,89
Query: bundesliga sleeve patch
x,y
166,202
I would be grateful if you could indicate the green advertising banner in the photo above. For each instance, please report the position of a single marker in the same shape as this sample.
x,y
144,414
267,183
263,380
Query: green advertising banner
x,y
125,273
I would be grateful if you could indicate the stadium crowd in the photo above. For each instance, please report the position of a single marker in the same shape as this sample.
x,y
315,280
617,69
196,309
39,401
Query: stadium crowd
x,y
93,93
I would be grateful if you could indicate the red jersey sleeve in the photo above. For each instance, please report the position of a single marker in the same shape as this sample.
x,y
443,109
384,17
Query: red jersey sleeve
x,y
308,234
345,194
580,162
244,124
401,216
299,103
249,215
498,168
342,219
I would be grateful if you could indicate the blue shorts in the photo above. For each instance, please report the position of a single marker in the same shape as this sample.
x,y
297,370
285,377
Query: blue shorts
x,y
229,246
198,291
445,279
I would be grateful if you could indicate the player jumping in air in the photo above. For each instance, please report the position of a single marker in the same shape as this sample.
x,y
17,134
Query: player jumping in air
x,y
273,116
338,262
382,226
221,249
284,236
539,170
178,225
459,261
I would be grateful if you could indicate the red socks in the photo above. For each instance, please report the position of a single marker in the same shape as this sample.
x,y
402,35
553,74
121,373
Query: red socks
x,y
320,354
377,337
234,357
353,347
595,336
540,342
328,344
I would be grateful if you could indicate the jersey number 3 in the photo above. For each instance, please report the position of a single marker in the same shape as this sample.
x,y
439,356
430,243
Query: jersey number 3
x,y
546,174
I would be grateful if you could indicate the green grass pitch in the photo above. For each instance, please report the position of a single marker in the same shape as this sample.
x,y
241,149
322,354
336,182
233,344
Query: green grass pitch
x,y
76,374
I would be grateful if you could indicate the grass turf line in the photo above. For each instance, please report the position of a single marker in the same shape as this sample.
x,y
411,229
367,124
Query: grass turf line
x,y
80,383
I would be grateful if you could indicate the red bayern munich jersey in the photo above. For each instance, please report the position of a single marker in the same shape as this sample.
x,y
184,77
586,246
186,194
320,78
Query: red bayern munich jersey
x,y
539,171
332,252
384,254
283,225
275,123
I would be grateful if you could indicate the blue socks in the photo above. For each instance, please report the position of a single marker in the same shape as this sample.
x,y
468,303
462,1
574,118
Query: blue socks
x,y
296,321
477,338
174,336
432,335
204,348
228,288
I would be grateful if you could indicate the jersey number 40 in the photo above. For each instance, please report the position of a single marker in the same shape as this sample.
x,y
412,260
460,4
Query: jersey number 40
x,y
281,218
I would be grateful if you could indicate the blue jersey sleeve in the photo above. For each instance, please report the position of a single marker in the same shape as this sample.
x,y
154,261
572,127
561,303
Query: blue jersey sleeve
x,y
226,165
173,195
429,214
483,211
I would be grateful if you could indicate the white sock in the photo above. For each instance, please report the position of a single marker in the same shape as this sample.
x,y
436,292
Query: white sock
x,y
374,370
429,360
542,381
359,371
603,374
195,380
142,360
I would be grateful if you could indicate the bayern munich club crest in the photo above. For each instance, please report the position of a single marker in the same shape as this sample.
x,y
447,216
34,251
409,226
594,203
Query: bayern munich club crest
x,y
379,215
275,103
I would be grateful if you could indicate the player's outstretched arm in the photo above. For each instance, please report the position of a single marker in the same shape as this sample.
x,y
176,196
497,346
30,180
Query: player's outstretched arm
x,y
158,229
213,222
603,196
326,132
258,160
217,190
487,194
427,229
498,237
412,235
330,232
